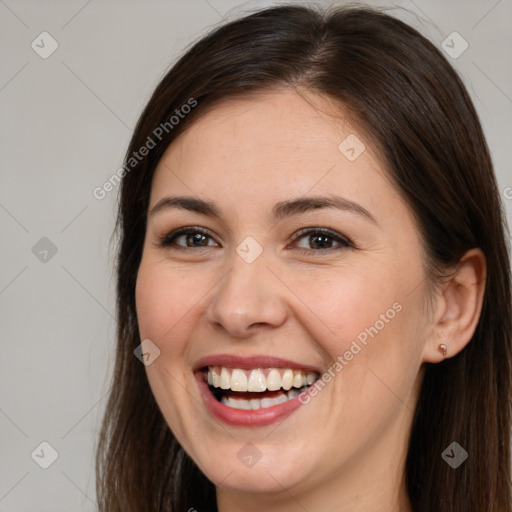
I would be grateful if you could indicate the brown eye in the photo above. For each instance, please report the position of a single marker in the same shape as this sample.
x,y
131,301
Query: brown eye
x,y
191,240
188,238
318,240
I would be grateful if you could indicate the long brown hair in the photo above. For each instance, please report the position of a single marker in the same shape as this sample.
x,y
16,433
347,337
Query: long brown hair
x,y
413,106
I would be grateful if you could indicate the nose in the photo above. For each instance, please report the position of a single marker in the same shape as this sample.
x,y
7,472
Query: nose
x,y
249,299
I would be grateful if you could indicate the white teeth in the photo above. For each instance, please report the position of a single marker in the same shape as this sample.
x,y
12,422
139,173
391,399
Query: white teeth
x,y
297,379
225,379
287,380
257,381
274,380
256,403
293,393
237,379
266,402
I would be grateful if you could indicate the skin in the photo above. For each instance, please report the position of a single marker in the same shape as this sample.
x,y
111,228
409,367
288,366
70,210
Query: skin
x,y
345,449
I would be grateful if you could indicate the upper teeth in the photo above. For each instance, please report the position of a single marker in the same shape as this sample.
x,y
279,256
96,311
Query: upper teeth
x,y
258,380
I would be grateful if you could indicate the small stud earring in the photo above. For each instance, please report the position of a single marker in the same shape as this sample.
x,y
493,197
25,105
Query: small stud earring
x,y
443,349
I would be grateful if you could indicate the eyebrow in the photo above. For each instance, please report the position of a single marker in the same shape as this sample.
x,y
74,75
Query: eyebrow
x,y
280,211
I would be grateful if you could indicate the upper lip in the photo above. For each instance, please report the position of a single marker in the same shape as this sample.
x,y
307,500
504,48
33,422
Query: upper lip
x,y
251,362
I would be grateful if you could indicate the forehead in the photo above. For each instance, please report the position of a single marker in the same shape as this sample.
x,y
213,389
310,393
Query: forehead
x,y
260,125
273,146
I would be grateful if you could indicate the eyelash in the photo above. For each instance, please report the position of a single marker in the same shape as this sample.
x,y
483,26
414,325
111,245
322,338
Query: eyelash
x,y
345,243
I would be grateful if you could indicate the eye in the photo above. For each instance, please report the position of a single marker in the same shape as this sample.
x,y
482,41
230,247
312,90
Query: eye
x,y
315,240
189,237
308,241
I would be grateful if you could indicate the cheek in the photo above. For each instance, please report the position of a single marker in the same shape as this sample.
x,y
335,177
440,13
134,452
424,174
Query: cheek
x,y
374,347
366,322
351,306
165,303
164,316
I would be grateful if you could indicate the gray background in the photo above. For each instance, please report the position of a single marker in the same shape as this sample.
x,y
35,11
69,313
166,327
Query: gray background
x,y
65,123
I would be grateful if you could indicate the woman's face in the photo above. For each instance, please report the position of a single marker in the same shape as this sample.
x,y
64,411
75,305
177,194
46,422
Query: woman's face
x,y
300,262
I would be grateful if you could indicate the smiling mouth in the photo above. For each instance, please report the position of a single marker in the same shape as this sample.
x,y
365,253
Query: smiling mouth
x,y
255,389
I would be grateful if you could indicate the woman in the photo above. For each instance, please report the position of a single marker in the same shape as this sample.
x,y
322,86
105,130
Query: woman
x,y
313,270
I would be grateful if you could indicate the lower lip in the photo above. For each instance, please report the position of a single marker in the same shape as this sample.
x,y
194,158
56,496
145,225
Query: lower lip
x,y
244,418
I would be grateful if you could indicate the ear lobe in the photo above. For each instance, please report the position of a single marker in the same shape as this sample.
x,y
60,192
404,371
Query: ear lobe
x,y
458,308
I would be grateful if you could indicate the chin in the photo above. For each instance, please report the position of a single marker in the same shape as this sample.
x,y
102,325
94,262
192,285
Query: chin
x,y
246,468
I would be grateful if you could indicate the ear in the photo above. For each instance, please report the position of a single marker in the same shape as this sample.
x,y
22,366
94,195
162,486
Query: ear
x,y
457,307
